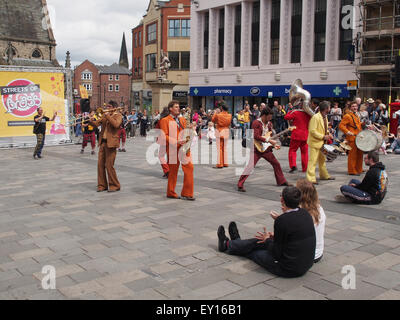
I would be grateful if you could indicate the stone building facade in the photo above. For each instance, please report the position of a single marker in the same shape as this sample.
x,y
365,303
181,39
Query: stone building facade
x,y
26,36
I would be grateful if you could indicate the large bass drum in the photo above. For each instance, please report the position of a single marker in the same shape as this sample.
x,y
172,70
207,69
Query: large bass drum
x,y
368,140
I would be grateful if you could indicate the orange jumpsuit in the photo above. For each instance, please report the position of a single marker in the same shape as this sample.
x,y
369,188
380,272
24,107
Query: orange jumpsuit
x,y
222,122
172,130
351,123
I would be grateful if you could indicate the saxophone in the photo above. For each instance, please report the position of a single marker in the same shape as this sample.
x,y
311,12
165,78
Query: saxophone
x,y
188,132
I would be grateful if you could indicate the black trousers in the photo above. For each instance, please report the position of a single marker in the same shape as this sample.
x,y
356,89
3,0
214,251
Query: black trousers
x,y
259,253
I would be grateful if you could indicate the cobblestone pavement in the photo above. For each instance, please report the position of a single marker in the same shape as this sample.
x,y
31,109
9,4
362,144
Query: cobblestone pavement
x,y
137,244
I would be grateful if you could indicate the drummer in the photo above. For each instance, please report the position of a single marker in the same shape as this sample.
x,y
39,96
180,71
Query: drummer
x,y
351,126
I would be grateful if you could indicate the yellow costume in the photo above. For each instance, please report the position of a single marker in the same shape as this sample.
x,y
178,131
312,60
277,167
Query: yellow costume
x,y
316,133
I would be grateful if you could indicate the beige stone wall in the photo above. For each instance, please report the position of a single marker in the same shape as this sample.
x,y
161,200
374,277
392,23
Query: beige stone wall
x,y
25,50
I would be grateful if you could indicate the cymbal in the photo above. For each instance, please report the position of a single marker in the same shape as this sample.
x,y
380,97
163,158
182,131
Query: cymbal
x,y
345,146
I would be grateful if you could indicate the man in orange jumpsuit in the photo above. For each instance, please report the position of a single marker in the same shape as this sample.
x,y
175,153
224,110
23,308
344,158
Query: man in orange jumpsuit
x,y
222,121
172,127
351,126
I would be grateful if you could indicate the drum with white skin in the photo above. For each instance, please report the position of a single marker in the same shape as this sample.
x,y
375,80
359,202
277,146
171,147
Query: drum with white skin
x,y
369,140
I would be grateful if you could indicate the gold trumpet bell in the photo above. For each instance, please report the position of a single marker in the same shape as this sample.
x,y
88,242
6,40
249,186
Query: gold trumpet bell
x,y
345,146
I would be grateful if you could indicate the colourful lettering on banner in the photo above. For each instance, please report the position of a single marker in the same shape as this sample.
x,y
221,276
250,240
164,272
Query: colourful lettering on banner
x,y
22,93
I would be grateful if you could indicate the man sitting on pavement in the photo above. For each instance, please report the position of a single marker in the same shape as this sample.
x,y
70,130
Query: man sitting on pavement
x,y
289,251
372,189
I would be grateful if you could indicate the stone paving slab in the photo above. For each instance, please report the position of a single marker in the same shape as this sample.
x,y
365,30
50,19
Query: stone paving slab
x,y
137,244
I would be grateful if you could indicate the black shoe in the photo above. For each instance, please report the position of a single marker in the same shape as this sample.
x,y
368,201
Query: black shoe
x,y
293,170
241,189
35,157
93,153
39,156
188,198
82,151
222,238
166,175
233,231
123,150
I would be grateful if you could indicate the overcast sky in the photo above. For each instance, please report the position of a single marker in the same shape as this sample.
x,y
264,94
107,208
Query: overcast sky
x,y
92,29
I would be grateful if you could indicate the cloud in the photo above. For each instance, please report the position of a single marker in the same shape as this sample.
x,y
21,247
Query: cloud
x,y
93,30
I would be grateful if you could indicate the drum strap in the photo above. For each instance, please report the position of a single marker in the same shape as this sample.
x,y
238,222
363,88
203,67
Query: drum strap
x,y
354,121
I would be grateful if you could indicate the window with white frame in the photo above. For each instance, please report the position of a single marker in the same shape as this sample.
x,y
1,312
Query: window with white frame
x,y
110,87
86,76
88,86
110,77
152,32
117,77
117,88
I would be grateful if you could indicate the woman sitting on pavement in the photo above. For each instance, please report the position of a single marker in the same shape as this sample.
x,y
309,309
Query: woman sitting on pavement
x,y
310,202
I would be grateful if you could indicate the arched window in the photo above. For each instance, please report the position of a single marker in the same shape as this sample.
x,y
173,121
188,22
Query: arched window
x,y
36,53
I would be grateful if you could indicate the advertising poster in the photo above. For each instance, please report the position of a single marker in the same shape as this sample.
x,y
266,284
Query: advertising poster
x,y
21,93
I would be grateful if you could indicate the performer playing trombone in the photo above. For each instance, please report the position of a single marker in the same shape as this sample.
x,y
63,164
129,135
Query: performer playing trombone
x,y
110,122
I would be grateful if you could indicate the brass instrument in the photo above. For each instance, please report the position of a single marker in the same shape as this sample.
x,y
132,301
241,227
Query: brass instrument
x,y
297,94
100,112
189,134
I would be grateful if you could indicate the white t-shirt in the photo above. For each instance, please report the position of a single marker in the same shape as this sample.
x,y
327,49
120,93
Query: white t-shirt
x,y
319,233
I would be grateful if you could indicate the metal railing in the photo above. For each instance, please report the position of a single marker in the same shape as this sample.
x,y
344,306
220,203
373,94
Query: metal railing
x,y
382,23
378,57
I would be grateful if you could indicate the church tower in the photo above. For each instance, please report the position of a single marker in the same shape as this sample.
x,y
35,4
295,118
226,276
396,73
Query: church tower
x,y
123,57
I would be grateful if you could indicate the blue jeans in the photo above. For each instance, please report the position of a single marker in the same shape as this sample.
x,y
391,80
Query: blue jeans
x,y
396,146
335,126
78,131
354,194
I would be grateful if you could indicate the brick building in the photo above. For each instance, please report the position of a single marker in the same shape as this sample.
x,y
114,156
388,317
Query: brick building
x,y
105,83
165,26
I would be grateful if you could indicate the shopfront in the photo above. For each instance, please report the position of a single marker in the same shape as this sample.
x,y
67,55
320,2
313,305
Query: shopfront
x,y
235,96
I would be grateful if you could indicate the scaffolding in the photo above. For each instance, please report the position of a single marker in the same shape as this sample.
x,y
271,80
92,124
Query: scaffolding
x,y
378,27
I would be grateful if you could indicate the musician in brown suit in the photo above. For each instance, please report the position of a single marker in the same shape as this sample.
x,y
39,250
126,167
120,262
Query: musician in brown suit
x,y
108,144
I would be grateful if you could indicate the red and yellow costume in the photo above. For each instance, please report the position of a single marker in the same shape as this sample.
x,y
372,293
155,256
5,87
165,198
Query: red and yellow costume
x,y
351,123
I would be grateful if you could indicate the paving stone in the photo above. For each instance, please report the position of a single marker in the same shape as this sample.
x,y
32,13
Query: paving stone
x,y
386,279
301,293
363,291
389,295
142,284
322,286
258,292
374,249
213,291
383,261
251,278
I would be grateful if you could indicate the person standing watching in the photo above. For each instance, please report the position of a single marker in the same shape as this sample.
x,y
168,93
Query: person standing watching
x,y
40,130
